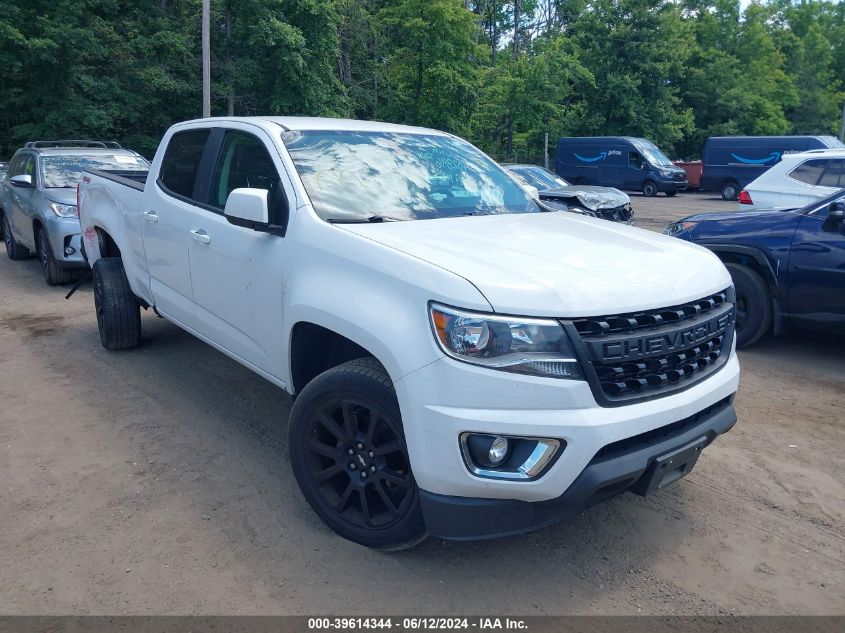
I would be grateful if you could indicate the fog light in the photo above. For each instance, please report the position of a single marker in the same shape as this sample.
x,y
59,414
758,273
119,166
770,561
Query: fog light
x,y
69,250
498,450
511,457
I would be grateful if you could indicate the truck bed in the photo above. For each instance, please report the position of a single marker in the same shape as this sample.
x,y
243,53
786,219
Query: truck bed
x,y
130,178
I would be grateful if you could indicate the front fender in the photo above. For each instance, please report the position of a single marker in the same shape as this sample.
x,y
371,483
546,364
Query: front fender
x,y
375,296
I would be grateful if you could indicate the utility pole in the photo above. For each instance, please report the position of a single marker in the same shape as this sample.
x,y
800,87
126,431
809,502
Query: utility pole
x,y
842,127
546,152
206,58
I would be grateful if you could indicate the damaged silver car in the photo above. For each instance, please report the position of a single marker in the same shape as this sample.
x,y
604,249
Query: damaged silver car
x,y
607,203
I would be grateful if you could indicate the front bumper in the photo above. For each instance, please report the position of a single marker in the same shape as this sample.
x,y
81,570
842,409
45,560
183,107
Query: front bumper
x,y
64,233
627,465
446,398
668,186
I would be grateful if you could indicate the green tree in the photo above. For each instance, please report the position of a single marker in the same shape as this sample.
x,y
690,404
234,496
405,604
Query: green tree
x,y
432,58
523,99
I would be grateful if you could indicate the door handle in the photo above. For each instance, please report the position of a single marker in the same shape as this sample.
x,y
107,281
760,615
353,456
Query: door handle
x,y
200,236
150,216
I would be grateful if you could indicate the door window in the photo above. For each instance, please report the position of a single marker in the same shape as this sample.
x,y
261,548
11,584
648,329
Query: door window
x,y
809,171
834,175
243,162
23,165
635,160
17,163
181,162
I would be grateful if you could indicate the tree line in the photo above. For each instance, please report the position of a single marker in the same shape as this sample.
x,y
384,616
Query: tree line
x,y
502,74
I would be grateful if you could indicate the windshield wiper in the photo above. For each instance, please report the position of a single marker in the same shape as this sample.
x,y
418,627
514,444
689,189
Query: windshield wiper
x,y
373,219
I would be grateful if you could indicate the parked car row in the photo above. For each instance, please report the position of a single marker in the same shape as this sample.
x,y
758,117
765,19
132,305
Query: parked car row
x,y
729,163
466,361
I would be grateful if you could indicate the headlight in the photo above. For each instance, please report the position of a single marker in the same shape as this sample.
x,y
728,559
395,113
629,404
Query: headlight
x,y
679,227
665,173
64,210
538,347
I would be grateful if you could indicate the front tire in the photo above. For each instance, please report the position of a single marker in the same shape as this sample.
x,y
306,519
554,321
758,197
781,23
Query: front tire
x,y
671,194
54,274
118,311
753,305
730,190
649,189
348,453
14,250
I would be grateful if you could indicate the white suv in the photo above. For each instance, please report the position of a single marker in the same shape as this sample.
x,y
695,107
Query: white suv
x,y
797,180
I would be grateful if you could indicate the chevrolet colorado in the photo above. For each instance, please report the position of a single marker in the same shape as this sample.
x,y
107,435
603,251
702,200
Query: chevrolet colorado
x,y
464,362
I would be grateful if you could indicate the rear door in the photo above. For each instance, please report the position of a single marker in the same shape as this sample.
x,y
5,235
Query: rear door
x,y
799,188
831,180
817,268
165,214
238,274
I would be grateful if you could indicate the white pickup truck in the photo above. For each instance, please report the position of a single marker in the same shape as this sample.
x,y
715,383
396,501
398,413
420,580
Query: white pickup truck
x,y
465,362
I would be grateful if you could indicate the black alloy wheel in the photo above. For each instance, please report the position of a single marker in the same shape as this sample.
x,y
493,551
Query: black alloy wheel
x,y
350,459
359,463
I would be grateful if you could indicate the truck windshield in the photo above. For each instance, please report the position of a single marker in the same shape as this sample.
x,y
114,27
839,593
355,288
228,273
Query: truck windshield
x,y
354,176
61,171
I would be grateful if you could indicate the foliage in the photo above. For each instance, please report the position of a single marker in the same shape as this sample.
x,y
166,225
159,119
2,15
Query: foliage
x,y
502,73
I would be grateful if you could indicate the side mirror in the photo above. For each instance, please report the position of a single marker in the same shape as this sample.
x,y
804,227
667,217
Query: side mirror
x,y
22,180
532,191
251,209
835,220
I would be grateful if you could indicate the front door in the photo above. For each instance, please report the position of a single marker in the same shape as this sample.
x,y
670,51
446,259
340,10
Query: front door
x,y
238,274
20,200
164,222
817,268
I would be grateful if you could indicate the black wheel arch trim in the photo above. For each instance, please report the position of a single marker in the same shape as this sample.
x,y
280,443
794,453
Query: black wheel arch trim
x,y
769,274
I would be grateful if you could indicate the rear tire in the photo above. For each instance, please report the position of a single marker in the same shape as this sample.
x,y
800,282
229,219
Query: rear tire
x,y
54,273
753,305
348,453
649,189
118,310
730,190
14,250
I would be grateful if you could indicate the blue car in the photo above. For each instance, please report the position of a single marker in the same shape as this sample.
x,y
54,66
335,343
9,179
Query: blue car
x,y
788,266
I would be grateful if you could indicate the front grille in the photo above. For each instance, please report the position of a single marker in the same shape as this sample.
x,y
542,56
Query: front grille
x,y
654,352
679,177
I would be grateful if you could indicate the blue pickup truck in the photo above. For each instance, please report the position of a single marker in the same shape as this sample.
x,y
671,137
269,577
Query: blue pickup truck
x,y
788,265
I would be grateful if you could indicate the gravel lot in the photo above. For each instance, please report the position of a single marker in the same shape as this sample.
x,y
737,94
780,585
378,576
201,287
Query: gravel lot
x,y
157,481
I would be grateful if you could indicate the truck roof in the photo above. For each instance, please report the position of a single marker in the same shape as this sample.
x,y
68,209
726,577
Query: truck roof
x,y
302,123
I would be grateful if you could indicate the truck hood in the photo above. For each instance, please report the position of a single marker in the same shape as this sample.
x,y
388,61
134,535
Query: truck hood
x,y
558,264
591,197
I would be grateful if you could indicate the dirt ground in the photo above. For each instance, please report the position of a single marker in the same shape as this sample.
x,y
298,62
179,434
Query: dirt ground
x,y
157,481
